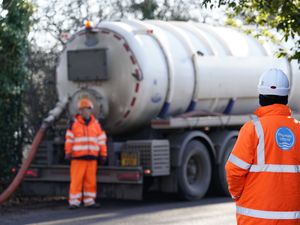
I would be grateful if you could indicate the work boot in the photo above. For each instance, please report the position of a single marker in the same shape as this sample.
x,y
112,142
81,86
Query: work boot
x,y
93,206
73,206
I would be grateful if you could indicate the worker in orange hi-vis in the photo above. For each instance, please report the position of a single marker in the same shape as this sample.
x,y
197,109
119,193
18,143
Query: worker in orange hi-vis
x,y
263,170
85,143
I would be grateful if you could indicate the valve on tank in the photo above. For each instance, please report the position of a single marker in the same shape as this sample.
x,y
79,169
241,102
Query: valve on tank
x,y
100,103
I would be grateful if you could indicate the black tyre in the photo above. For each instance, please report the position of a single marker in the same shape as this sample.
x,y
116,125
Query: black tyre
x,y
221,168
194,174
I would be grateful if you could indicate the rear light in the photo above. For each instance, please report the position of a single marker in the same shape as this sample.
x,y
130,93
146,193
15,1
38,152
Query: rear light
x,y
147,172
32,173
28,173
129,176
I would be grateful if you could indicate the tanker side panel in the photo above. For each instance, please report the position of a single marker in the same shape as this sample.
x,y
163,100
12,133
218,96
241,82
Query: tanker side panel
x,y
220,82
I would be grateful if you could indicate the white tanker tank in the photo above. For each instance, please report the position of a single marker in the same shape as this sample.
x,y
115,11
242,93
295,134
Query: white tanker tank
x,y
135,71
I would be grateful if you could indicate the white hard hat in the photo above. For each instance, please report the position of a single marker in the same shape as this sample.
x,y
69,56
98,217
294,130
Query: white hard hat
x,y
273,82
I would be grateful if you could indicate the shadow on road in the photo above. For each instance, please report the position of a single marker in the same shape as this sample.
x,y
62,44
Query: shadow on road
x,y
57,212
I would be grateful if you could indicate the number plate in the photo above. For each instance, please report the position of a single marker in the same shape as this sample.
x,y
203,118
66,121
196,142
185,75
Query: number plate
x,y
129,159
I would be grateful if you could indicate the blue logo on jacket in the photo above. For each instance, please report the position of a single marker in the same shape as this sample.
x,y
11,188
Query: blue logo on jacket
x,y
285,138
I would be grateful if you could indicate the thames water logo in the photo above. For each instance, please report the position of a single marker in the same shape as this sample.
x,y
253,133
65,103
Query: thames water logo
x,y
285,138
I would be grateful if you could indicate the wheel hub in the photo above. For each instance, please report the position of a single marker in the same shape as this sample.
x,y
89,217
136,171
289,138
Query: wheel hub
x,y
192,170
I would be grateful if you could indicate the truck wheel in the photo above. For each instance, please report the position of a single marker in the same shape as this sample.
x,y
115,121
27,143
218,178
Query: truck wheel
x,y
221,167
194,174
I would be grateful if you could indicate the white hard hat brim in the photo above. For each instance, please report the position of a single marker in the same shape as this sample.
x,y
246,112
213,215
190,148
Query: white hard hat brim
x,y
264,90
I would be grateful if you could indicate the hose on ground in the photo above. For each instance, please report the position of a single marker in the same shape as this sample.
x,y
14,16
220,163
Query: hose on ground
x,y
53,115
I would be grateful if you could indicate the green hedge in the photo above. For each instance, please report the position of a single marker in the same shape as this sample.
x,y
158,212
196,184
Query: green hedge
x,y
15,23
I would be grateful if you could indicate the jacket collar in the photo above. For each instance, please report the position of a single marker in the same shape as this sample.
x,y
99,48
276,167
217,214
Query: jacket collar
x,y
80,119
273,110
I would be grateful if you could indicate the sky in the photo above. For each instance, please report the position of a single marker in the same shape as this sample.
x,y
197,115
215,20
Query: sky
x,y
46,40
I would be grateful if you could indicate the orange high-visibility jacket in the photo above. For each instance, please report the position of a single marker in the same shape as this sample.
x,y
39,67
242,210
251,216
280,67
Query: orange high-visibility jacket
x,y
85,140
263,170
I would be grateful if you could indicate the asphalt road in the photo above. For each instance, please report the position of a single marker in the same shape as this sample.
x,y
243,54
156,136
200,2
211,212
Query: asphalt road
x,y
158,209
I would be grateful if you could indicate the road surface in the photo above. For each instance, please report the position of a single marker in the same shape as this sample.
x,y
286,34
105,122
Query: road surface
x,y
155,210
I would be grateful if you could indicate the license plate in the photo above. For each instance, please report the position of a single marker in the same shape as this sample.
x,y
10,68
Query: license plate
x,y
129,159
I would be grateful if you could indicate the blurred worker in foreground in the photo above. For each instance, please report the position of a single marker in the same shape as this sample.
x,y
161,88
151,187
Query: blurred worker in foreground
x,y
85,142
263,170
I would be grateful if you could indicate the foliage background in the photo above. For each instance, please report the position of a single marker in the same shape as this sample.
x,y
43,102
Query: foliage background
x,y
281,16
15,25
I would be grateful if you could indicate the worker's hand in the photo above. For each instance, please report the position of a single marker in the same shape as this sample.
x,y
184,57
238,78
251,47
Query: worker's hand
x,y
103,160
68,156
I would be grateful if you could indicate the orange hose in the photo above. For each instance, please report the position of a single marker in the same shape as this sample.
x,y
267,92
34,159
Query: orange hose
x,y
53,115
21,173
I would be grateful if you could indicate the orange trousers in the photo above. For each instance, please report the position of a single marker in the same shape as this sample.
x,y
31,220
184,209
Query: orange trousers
x,y
83,184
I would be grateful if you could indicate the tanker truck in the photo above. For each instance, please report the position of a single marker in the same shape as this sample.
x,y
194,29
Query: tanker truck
x,y
171,96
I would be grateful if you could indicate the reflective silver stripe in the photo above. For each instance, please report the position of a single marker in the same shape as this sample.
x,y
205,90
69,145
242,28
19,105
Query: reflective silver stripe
x,y
276,215
74,196
238,162
89,200
69,141
74,202
89,194
101,143
101,137
86,139
85,147
70,134
275,168
261,141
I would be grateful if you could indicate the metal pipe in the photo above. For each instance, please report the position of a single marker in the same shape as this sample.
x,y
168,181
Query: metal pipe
x,y
53,115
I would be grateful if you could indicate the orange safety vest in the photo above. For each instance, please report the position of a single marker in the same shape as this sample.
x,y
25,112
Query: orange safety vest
x,y
263,170
85,140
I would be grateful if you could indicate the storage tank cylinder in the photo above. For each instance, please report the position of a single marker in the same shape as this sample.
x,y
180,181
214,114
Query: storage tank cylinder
x,y
135,71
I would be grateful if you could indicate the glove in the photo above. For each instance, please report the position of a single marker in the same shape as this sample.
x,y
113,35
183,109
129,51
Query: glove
x,y
68,156
103,160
